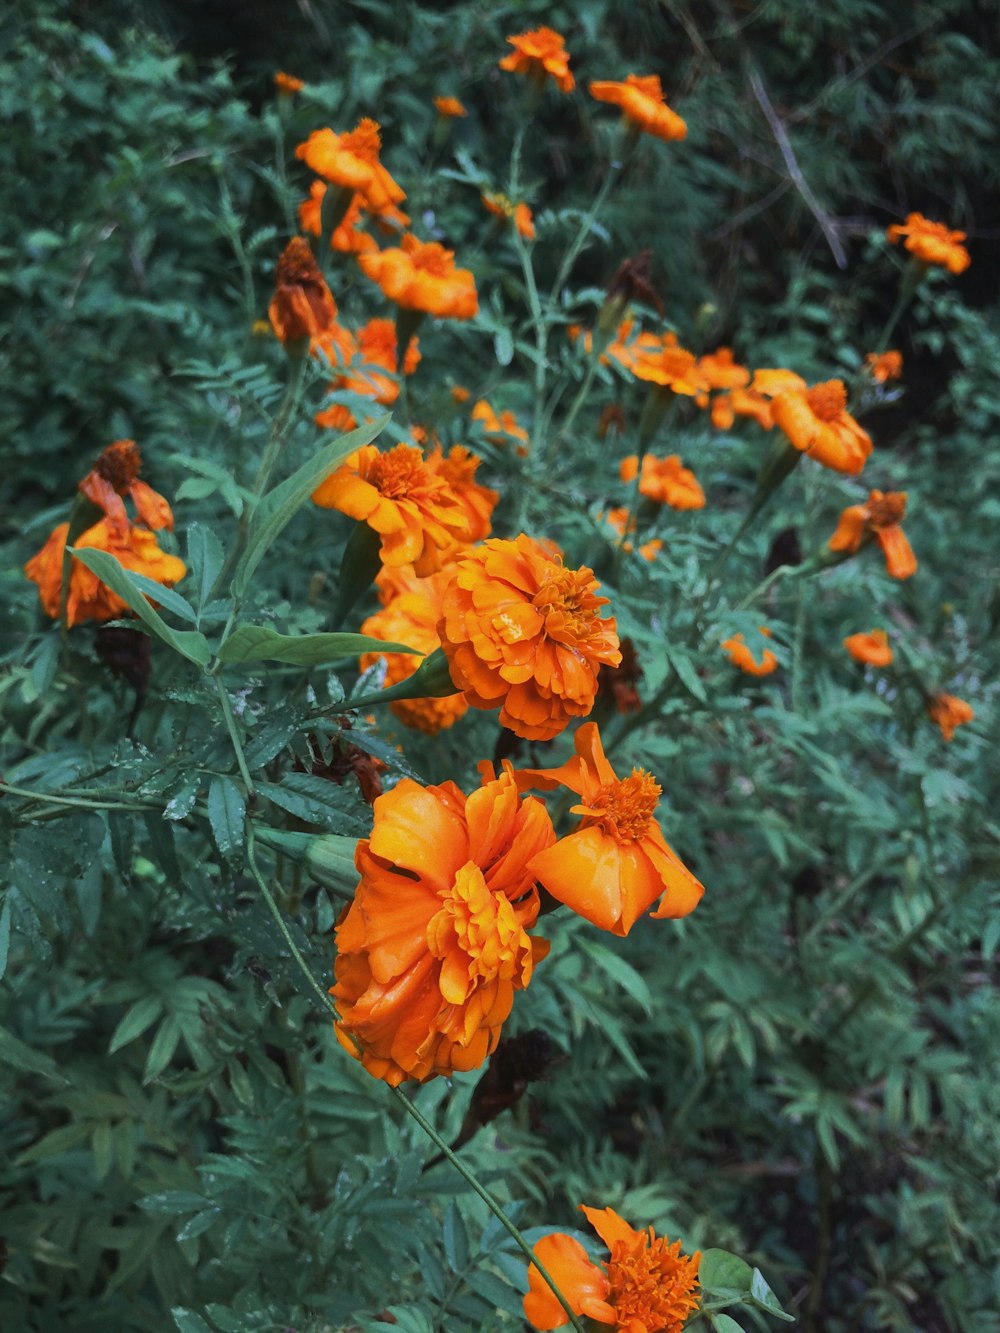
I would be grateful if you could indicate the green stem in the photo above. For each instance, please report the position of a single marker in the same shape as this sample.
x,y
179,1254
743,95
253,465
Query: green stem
x,y
46,798
909,282
227,713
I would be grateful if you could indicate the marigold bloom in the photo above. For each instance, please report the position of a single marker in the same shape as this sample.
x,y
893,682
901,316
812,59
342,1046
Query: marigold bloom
x,y
641,100
624,524
287,84
458,468
396,493
817,423
645,1286
352,162
880,517
664,480
949,712
617,863
884,366
88,598
520,214
931,242
741,656
658,359
302,305
345,237
374,373
460,394
497,427
540,53
115,475
423,276
435,943
719,370
522,631
872,648
749,402
449,107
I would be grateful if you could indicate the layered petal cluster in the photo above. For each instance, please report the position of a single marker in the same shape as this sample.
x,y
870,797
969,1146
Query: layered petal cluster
x,y
931,242
373,372
458,468
871,648
617,863
643,106
352,162
645,1286
115,475
949,712
411,507
422,276
741,656
884,366
541,54
302,306
817,423
880,519
435,943
659,359
524,633
664,480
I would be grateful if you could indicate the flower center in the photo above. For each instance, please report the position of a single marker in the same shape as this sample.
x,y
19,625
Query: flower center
x,y
119,464
649,85
434,259
885,511
364,141
477,936
827,400
398,473
564,600
626,806
651,1284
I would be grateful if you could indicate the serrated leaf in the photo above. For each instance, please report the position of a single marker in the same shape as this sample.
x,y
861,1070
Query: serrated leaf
x,y
135,1021
226,813
250,643
316,800
621,973
57,1141
181,803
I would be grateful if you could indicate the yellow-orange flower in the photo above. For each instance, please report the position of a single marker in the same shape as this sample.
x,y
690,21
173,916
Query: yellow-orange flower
x,y
375,373
741,656
872,648
287,84
352,162
460,394
496,427
523,632
302,305
449,107
932,242
435,943
345,237
664,480
658,359
520,214
884,366
624,524
949,712
645,1286
749,402
458,468
540,53
719,370
879,518
115,475
617,863
641,100
396,493
88,598
817,423
422,276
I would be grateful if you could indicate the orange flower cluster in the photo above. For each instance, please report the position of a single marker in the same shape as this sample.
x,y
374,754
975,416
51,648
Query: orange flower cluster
x,y
931,243
664,481
302,307
741,656
522,631
645,1286
376,375
520,214
949,712
879,518
435,943
541,54
496,427
422,276
641,100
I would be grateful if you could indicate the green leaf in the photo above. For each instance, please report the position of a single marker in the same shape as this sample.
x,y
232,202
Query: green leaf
x,y
621,973
135,1021
722,1323
689,678
173,601
205,556
762,1295
17,1055
189,643
722,1272
189,1322
163,1047
173,1202
503,346
226,813
250,643
279,506
4,935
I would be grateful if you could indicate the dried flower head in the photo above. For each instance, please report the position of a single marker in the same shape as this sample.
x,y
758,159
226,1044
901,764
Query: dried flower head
x,y
302,306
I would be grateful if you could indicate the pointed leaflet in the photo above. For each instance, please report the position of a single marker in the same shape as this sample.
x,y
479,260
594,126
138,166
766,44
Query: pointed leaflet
x,y
250,643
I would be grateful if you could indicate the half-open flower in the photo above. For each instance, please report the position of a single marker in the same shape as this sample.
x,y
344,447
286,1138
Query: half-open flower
x,y
871,648
884,366
880,519
450,108
302,307
352,162
643,106
664,480
818,424
741,656
115,475
931,242
422,276
520,214
541,54
949,712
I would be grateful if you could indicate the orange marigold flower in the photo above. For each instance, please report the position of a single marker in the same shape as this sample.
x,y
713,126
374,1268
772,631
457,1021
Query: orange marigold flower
x,y
659,359
879,518
375,371
522,631
641,100
726,407
817,423
520,214
949,712
396,493
872,648
458,468
449,107
423,276
496,427
645,1286
116,474
88,598
345,237
435,943
302,305
617,863
352,162
664,480
720,371
741,656
287,84
460,394
884,366
540,53
931,242
624,524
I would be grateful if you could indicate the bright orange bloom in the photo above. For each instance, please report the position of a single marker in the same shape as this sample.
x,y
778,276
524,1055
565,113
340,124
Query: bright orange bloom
x,y
449,107
287,84
741,656
523,632
659,359
520,214
872,648
460,394
720,371
458,468
726,407
646,1285
116,474
345,237
884,366
948,712
540,53
880,517
817,423
88,598
396,493
435,943
375,372
352,162
932,242
624,524
498,426
419,276
617,863
641,100
664,480
302,305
